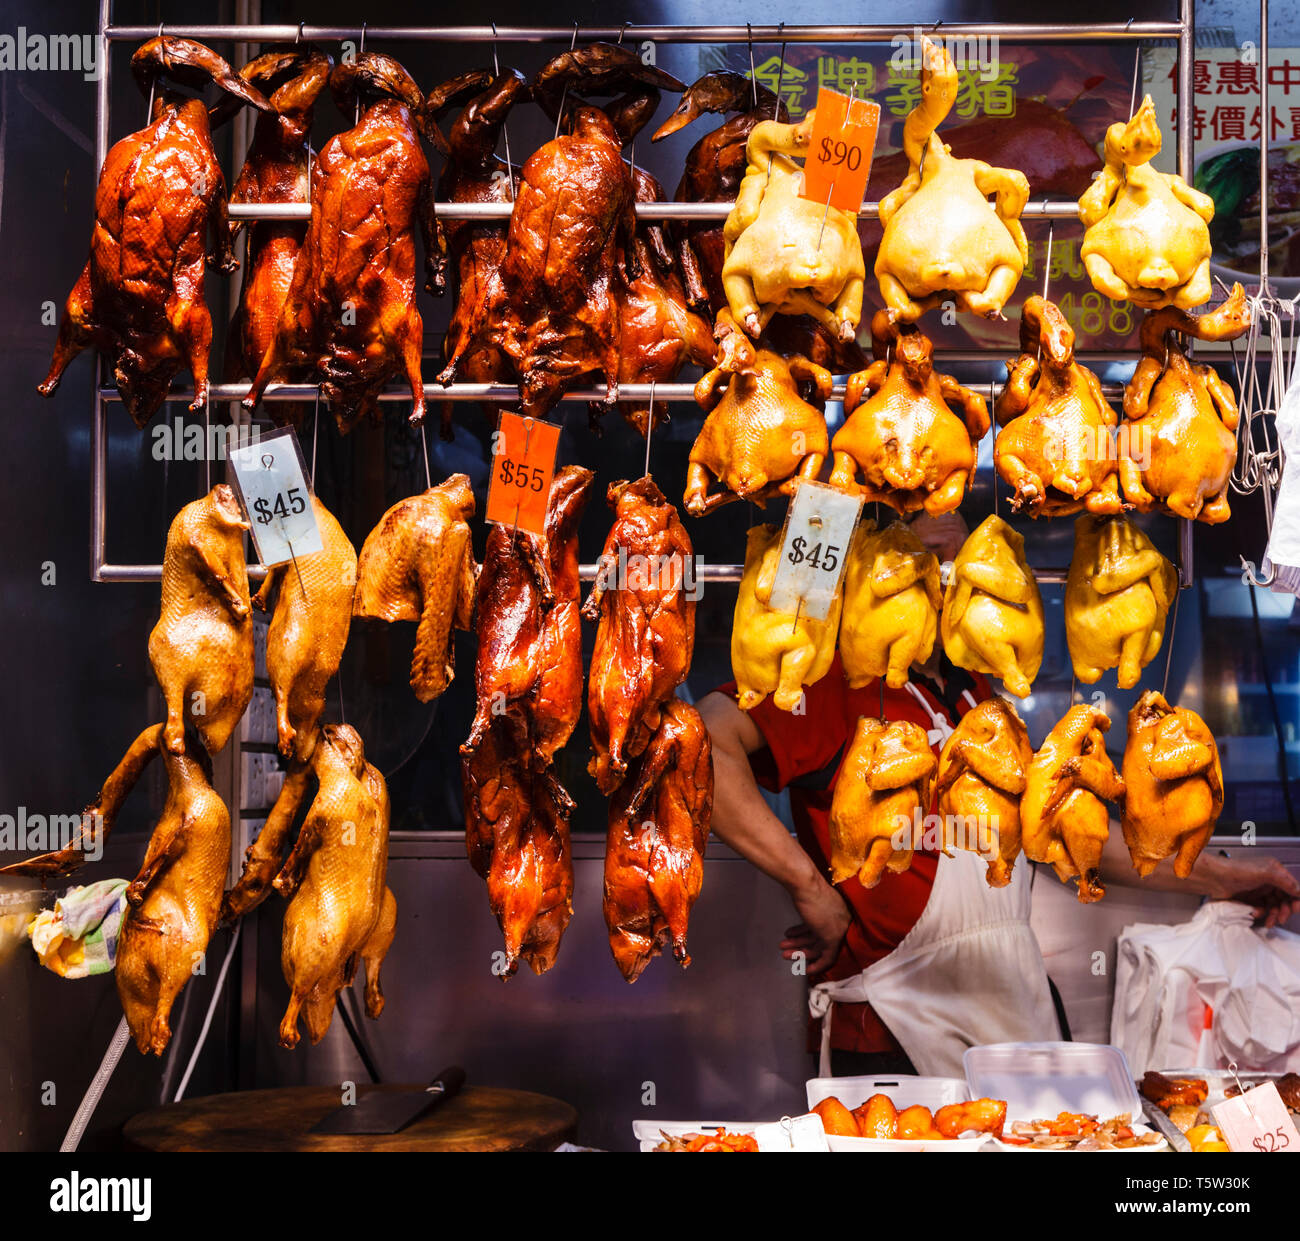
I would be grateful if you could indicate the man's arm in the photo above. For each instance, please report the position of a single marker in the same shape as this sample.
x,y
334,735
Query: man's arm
x,y
745,822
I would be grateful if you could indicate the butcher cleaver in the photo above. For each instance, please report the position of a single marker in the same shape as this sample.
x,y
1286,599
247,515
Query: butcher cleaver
x,y
390,1111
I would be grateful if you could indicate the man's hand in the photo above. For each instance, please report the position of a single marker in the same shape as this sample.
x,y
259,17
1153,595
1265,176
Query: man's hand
x,y
825,923
1265,885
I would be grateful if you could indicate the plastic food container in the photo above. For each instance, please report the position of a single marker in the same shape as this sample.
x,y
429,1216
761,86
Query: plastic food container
x,y
649,1133
931,1092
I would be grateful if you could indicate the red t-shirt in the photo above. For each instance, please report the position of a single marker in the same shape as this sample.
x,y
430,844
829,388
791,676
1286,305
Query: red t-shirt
x,y
804,753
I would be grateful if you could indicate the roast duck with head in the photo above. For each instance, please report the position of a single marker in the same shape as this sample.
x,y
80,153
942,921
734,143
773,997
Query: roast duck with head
x,y
140,297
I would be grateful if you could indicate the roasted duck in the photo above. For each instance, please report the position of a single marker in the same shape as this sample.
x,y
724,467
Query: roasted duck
x,y
1055,449
140,298
773,652
914,437
658,825
340,911
417,564
1173,785
892,598
982,773
883,788
992,612
264,857
1178,443
1147,238
1063,817
941,238
644,602
308,631
350,319
1117,595
201,648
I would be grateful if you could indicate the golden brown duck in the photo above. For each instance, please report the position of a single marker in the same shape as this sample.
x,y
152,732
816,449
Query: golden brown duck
x,y
1147,238
264,857
883,784
140,297
1178,443
350,318
658,825
1173,785
892,598
1054,449
340,911
941,238
308,631
1117,595
1063,817
201,648
417,564
914,436
992,611
982,774
643,599
774,652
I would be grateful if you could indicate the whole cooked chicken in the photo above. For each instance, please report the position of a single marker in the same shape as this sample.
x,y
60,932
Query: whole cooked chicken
x,y
417,564
942,237
1117,595
308,631
340,911
1178,442
643,599
1173,785
529,669
1148,237
992,612
140,298
350,318
892,598
1063,817
1054,449
914,437
883,785
658,825
201,648
982,774
774,652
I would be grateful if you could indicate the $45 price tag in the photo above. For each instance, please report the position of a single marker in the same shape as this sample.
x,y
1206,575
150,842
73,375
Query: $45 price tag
x,y
1257,1120
818,528
523,464
272,486
838,162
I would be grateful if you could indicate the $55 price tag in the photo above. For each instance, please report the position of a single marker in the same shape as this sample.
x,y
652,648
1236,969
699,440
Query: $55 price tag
x,y
523,464
818,528
1257,1120
272,486
838,162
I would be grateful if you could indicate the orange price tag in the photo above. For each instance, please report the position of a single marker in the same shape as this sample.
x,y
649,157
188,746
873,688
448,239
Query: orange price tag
x,y
523,464
838,162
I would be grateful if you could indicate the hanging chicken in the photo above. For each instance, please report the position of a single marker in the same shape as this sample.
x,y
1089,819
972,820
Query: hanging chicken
x,y
417,564
644,601
1178,443
1054,449
140,298
882,791
1173,785
1147,238
1063,817
892,598
992,612
982,774
350,319
1117,595
658,825
942,236
915,435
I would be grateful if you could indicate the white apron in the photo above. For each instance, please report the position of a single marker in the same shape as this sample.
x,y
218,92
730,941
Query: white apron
x,y
969,972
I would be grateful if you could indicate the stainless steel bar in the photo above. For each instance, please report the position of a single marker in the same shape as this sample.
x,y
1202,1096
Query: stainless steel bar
x,y
98,409
1186,92
1265,127
1186,576
274,211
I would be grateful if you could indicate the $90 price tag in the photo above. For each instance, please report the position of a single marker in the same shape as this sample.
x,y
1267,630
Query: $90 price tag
x,y
272,486
838,162
1257,1120
818,527
523,464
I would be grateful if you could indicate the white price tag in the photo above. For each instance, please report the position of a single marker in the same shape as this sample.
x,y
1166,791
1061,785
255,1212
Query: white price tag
x,y
272,486
818,528
1257,1120
792,1133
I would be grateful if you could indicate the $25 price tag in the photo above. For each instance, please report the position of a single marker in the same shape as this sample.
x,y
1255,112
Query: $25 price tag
x,y
272,486
523,464
818,528
838,162
1257,1120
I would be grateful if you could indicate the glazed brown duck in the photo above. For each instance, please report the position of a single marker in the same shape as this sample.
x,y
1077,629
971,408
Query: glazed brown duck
x,y
140,297
350,318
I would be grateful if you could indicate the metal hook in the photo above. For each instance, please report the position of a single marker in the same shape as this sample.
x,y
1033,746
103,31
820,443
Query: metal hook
x,y
153,82
753,73
649,426
622,30
298,36
1249,578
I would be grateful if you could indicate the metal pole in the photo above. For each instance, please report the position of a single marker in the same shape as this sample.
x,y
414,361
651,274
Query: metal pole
x,y
99,412
1264,127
